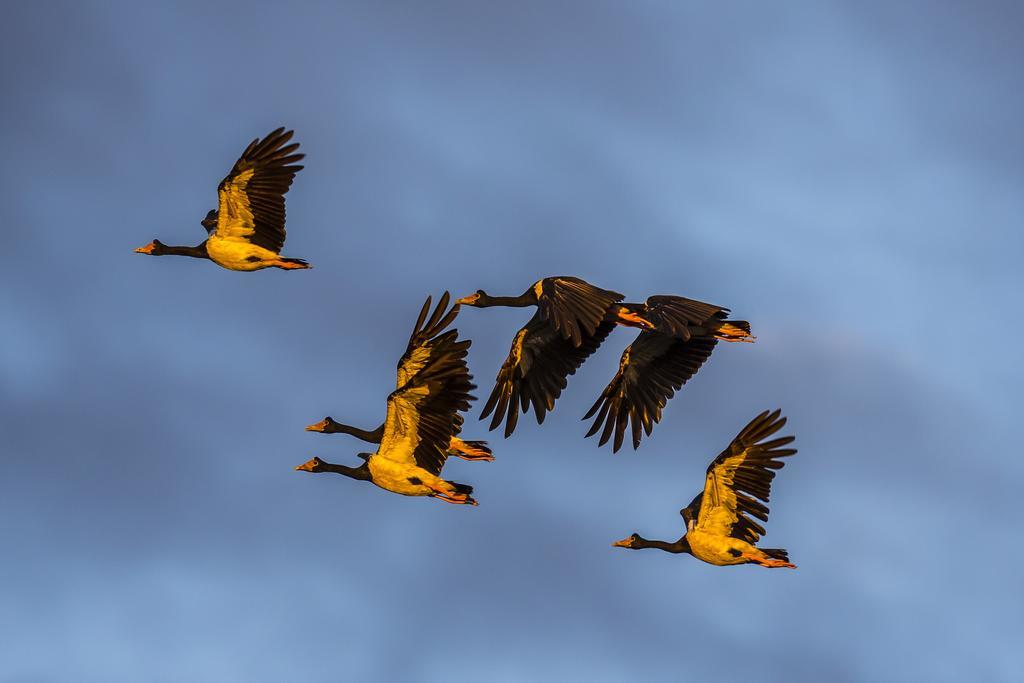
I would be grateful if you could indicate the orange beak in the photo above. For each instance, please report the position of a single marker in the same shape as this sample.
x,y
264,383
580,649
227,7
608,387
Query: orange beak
x,y
148,249
307,466
318,427
468,300
624,543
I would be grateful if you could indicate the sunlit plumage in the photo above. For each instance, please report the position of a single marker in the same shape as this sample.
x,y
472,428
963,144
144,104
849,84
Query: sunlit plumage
x,y
422,416
246,232
721,522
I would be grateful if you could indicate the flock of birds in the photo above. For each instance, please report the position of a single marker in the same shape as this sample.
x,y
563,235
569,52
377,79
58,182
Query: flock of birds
x,y
572,318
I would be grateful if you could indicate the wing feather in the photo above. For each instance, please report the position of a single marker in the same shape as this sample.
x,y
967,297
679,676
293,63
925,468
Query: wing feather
x,y
417,352
738,482
434,387
251,197
573,306
536,371
651,370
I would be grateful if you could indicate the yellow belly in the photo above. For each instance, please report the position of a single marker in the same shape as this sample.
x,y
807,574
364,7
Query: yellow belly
x,y
394,476
714,549
237,254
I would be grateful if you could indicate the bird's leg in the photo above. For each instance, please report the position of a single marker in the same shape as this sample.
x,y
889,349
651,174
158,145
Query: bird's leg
x,y
466,451
451,496
771,562
454,499
731,333
628,318
445,498
766,561
289,265
478,456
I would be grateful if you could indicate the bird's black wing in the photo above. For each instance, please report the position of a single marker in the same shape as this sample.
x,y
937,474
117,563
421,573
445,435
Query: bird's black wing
x,y
574,307
651,370
535,371
418,351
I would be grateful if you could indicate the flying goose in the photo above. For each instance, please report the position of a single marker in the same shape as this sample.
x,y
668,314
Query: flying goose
x,y
573,317
421,419
423,332
719,528
246,231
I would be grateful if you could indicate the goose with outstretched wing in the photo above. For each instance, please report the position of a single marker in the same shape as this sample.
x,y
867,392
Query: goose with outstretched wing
x,y
246,232
573,317
421,421
416,352
722,524
679,337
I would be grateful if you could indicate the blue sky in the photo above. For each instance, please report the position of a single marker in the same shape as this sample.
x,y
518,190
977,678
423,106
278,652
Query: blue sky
x,y
846,176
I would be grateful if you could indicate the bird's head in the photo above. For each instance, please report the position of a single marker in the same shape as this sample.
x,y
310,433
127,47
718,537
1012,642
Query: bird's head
x,y
210,222
324,426
314,465
634,541
154,248
478,299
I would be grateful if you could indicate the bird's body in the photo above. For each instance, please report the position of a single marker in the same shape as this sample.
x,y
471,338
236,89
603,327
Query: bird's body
x,y
422,416
244,256
246,232
723,550
677,336
738,483
405,479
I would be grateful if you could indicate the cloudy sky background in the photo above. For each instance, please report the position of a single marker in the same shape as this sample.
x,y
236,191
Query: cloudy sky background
x,y
846,176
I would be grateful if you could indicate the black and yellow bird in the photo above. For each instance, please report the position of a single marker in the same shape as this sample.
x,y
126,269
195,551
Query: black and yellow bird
x,y
246,232
422,417
719,528
423,332
678,335
573,317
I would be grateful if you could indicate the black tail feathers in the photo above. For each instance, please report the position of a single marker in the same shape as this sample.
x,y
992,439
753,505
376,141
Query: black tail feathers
x,y
462,488
776,553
